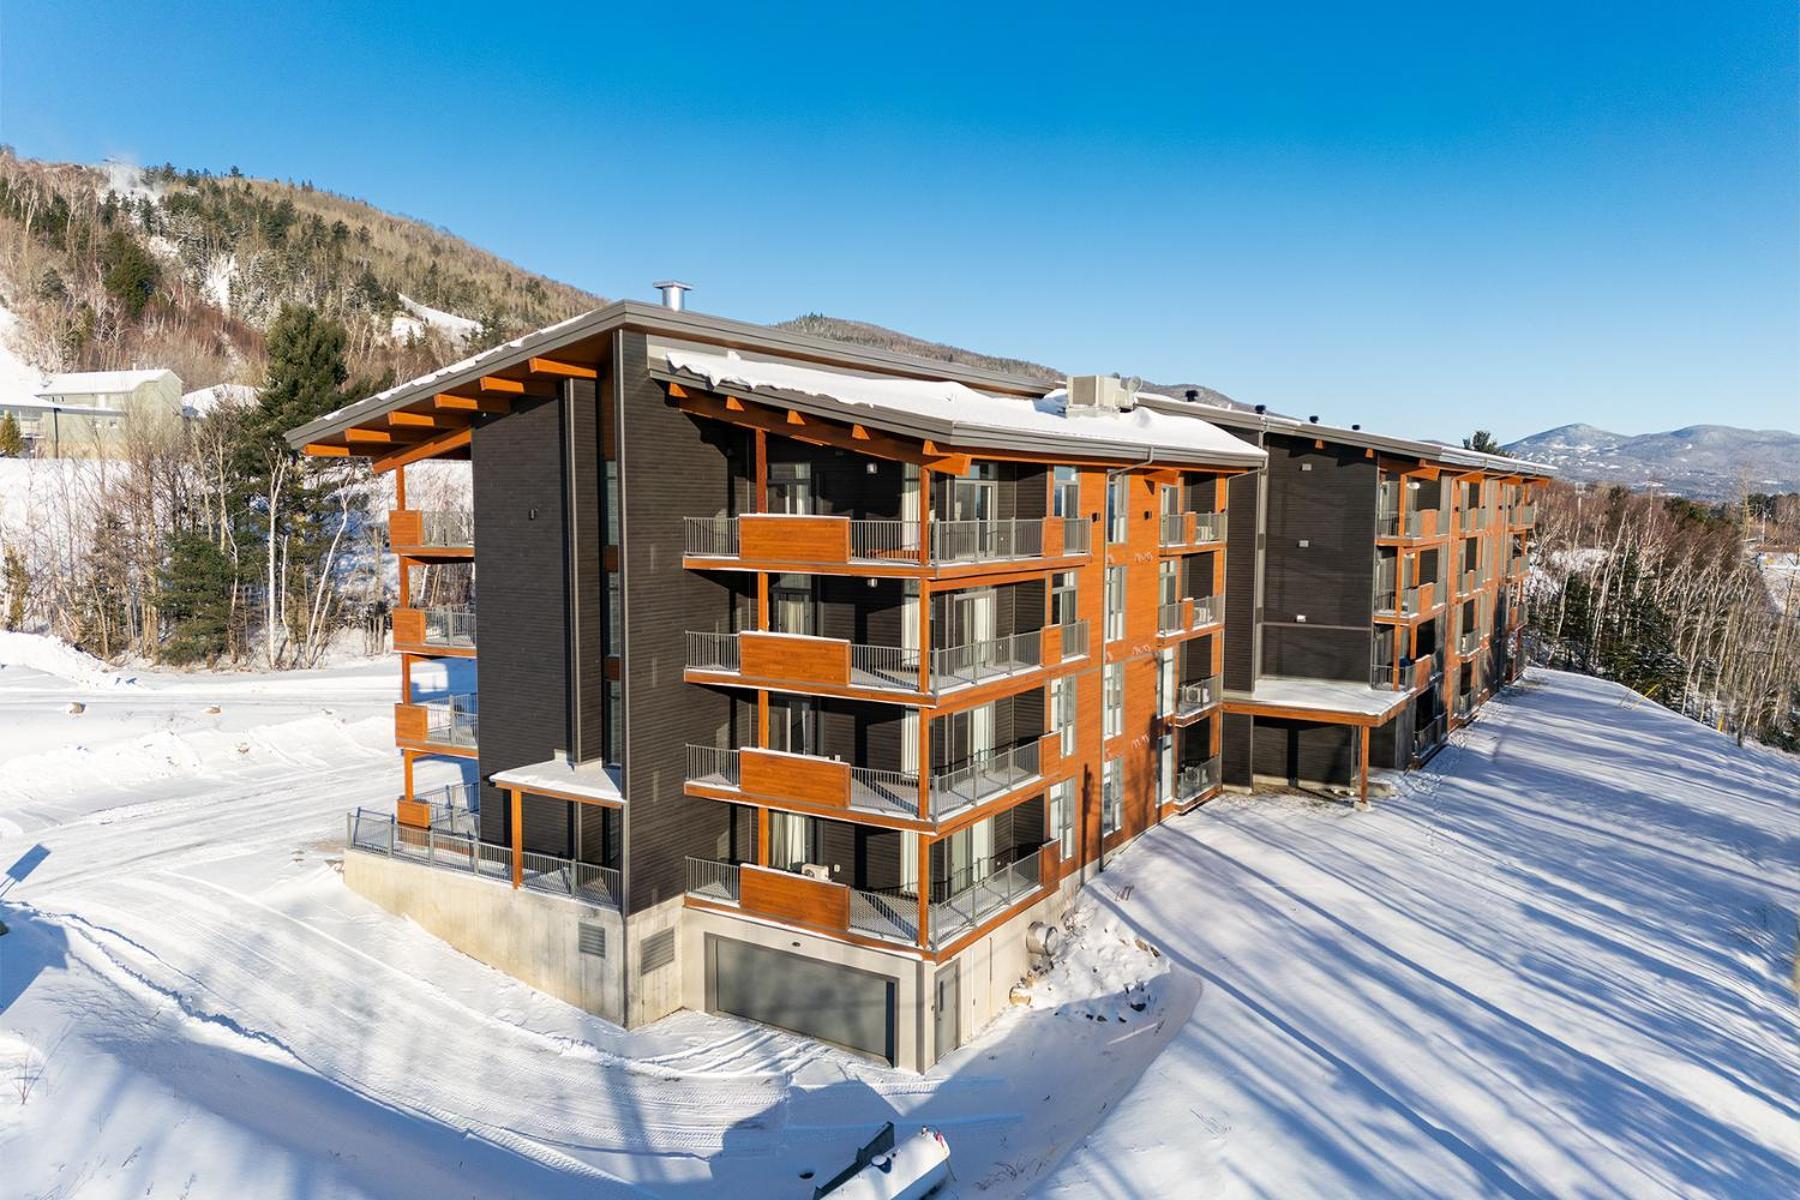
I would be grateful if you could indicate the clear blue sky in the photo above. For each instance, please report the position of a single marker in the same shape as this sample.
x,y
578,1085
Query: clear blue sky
x,y
1533,213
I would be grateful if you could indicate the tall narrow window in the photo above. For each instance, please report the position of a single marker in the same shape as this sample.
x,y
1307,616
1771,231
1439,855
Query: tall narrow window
x,y
1116,506
614,750
1115,699
614,634
792,605
1062,712
612,503
1062,817
1112,795
1065,494
791,488
1115,603
1062,598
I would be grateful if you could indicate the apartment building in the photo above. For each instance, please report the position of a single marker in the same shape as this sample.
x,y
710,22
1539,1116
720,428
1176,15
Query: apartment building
x,y
809,678
1375,597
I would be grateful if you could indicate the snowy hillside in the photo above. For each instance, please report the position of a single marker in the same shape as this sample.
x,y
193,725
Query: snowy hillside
x,y
1555,963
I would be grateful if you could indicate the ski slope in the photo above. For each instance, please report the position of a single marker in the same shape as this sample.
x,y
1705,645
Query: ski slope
x,y
1557,962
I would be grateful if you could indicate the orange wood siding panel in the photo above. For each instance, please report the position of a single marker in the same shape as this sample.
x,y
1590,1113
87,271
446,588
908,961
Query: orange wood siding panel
x,y
794,539
409,722
793,898
411,812
409,627
405,527
794,777
796,659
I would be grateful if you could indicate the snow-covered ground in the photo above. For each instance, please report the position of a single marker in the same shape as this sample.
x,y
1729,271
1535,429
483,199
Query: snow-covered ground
x,y
1555,963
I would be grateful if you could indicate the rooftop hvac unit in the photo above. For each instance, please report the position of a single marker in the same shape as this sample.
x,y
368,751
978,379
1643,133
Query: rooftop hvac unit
x,y
1099,394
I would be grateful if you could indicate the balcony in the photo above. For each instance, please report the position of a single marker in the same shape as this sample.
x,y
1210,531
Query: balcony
x,y
1473,520
962,910
432,533
1183,529
453,808
1195,698
1465,704
464,853
1428,735
1467,582
1524,516
830,665
438,726
1382,676
1401,602
438,630
1469,642
804,902
783,541
812,781
1196,779
1194,612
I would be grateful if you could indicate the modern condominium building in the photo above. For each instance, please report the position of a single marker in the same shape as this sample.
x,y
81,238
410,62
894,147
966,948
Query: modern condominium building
x,y
809,677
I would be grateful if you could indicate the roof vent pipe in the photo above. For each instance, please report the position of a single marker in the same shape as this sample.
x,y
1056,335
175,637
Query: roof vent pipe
x,y
672,292
1314,419
1262,408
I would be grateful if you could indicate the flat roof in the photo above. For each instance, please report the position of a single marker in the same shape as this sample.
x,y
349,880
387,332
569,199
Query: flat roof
x,y
591,781
961,416
1327,697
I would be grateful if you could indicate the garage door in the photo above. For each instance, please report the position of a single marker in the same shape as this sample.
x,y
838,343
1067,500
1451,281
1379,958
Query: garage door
x,y
837,1004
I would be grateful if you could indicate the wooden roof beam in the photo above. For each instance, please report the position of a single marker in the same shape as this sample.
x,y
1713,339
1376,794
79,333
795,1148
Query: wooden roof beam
x,y
441,445
402,419
325,450
517,387
484,404
563,370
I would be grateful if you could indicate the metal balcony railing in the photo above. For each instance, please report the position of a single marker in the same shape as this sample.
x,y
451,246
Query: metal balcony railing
x,y
1195,778
1525,516
1171,617
1469,642
1198,696
1402,601
893,792
452,721
1074,639
1464,704
711,879
1208,610
446,527
1381,675
891,916
985,541
963,910
1077,535
1467,582
972,662
712,537
877,540
1390,524
895,668
890,541
378,833
1428,735
980,777
448,626
1474,520
1191,528
453,808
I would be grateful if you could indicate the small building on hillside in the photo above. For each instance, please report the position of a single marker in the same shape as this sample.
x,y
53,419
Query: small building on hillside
x,y
83,414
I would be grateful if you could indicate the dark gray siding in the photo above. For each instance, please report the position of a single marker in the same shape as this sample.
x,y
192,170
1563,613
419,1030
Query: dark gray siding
x,y
671,465
1298,750
1240,582
1319,560
521,593
1317,653
1235,750
585,468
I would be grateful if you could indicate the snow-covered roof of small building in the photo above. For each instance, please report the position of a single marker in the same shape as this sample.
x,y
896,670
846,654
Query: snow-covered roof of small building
x,y
201,401
39,404
97,383
1340,696
559,777
962,416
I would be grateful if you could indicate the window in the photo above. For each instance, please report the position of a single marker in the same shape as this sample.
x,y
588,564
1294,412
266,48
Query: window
x,y
614,636
614,750
1115,699
1062,598
612,503
791,488
1065,492
1168,582
1116,505
1115,603
791,606
793,724
1166,689
1112,796
1062,817
1062,711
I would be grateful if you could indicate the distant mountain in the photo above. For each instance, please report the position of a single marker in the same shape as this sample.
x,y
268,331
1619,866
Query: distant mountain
x,y
1705,462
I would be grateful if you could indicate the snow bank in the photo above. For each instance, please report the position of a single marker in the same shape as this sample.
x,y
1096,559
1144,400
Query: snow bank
x,y
19,379
423,316
53,656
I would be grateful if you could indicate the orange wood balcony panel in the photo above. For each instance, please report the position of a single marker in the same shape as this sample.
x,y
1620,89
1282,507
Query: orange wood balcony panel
x,y
794,659
795,777
789,539
794,898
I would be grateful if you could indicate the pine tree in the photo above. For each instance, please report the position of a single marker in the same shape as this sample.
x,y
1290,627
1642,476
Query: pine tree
x,y
129,272
1482,443
12,442
195,589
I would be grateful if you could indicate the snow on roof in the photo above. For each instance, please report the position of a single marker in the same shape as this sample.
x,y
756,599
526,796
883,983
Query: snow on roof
x,y
558,776
90,383
1323,695
201,401
38,404
975,413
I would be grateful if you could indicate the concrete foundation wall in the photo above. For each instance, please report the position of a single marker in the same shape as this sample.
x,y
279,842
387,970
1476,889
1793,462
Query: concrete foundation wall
x,y
656,992
534,938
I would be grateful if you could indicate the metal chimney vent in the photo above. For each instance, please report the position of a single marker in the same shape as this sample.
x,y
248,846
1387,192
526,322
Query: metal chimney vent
x,y
672,291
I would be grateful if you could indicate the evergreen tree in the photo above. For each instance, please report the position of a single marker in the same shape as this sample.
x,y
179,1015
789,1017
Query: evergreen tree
x,y
194,592
128,272
18,586
1482,443
12,442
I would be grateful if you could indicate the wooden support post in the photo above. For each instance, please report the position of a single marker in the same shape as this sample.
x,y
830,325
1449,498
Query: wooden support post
x,y
518,837
762,837
406,769
1362,775
924,637
406,679
924,760
760,465
400,486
